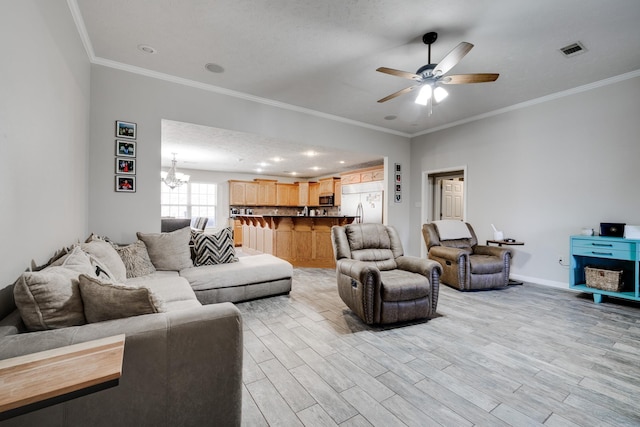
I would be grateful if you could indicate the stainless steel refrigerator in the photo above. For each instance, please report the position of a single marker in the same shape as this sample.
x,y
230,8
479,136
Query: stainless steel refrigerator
x,y
363,201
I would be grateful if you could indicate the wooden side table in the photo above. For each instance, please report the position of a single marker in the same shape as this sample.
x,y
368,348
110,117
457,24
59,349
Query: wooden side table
x,y
504,242
507,243
42,379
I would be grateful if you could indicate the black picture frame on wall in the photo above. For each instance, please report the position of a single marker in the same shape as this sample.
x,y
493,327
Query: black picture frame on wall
x,y
125,148
125,166
125,184
126,129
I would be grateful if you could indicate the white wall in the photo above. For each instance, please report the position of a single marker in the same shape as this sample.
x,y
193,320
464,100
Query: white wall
x,y
121,95
44,131
543,172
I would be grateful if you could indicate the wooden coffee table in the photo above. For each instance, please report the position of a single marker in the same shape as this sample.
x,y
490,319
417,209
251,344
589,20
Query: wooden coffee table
x,y
42,379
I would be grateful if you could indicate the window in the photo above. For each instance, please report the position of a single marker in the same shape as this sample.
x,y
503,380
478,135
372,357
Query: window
x,y
190,200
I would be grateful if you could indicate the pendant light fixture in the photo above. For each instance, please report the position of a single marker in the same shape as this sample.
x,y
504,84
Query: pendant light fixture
x,y
173,178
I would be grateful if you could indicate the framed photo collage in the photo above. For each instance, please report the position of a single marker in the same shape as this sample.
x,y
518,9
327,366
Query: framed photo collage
x,y
126,152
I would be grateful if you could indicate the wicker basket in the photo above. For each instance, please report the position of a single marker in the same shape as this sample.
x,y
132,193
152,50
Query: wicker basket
x,y
605,280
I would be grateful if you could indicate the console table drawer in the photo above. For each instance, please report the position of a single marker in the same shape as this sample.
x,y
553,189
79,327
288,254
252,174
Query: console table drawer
x,y
605,244
628,254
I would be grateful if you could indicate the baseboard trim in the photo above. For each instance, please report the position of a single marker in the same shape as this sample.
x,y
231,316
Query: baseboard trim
x,y
539,281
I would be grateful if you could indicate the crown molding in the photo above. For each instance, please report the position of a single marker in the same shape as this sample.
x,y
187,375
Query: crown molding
x,y
541,100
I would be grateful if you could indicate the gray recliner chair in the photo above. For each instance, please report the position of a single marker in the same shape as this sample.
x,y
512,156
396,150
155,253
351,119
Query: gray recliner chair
x,y
465,264
377,281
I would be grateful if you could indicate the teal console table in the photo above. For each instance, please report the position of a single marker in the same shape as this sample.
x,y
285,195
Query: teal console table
x,y
614,253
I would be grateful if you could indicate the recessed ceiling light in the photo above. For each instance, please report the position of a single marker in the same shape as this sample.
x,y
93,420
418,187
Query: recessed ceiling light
x,y
277,159
294,173
316,168
147,49
310,153
214,68
263,164
342,162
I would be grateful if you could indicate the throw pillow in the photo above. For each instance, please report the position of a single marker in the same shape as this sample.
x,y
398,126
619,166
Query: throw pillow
x,y
169,251
107,255
50,298
217,248
107,301
136,260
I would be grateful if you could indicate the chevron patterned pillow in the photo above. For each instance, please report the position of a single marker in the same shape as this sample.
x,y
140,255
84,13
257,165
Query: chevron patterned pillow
x,y
214,248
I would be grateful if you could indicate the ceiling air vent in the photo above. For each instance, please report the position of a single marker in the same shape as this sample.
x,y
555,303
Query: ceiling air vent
x,y
573,49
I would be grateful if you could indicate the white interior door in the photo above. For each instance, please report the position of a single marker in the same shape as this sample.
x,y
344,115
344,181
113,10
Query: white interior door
x,y
452,199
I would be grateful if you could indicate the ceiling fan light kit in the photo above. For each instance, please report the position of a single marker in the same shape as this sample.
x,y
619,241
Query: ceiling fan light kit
x,y
429,77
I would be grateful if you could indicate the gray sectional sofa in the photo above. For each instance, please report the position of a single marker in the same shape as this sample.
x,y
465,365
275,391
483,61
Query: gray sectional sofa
x,y
182,361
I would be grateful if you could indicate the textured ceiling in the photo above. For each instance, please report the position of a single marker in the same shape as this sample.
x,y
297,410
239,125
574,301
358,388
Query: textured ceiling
x,y
322,55
208,148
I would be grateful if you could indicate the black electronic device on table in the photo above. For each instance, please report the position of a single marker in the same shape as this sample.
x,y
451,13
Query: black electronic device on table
x,y
612,229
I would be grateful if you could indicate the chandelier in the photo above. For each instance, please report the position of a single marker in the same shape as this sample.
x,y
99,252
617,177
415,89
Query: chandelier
x,y
172,178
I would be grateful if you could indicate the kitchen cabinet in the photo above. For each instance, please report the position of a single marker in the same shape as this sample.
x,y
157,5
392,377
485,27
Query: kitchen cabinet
x,y
267,193
314,194
326,186
287,194
303,194
363,175
237,193
251,194
337,191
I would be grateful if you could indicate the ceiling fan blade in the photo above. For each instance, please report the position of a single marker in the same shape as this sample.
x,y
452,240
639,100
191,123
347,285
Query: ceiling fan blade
x,y
458,79
452,58
398,93
399,73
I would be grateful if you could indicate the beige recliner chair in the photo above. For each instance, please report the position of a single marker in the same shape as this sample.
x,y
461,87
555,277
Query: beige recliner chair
x,y
465,264
377,281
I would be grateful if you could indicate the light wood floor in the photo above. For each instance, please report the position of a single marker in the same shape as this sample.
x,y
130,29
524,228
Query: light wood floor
x,y
523,356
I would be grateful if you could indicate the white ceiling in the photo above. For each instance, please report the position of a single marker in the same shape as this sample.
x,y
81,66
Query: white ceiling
x,y
322,55
208,148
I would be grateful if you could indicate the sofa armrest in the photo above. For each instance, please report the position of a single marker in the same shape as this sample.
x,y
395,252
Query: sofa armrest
x,y
361,271
180,368
448,253
418,265
492,251
359,288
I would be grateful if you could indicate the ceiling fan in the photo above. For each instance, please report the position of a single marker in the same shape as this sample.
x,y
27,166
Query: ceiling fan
x,y
429,77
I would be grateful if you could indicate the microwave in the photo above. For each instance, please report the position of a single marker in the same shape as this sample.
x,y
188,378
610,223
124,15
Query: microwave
x,y
326,200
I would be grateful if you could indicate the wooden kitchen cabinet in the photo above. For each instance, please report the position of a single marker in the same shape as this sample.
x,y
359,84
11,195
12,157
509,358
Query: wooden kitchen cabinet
x,y
287,194
363,175
251,194
267,193
303,193
327,185
314,194
237,193
337,191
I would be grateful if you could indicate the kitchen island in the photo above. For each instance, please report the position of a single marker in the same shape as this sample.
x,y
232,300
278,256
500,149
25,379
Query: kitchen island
x,y
304,241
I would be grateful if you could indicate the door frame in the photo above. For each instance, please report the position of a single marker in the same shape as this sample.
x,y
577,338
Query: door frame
x,y
427,196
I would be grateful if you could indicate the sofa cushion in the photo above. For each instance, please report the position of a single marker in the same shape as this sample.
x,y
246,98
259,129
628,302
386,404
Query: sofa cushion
x,y
169,251
248,270
216,248
174,291
107,300
106,254
135,258
50,298
400,285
